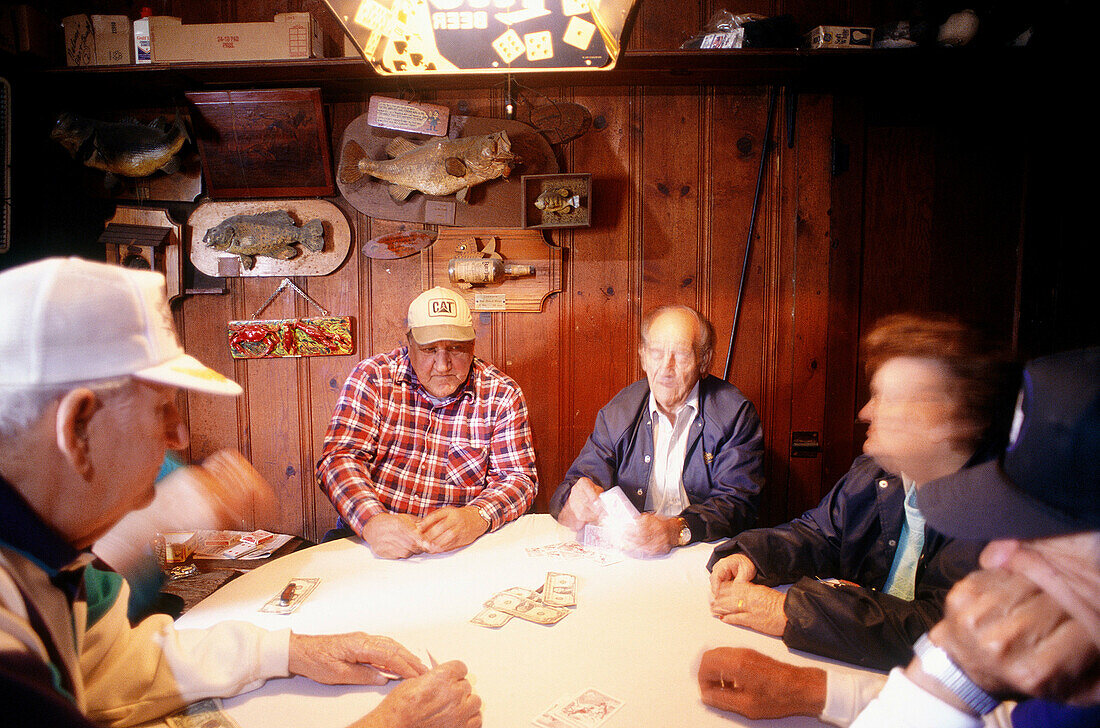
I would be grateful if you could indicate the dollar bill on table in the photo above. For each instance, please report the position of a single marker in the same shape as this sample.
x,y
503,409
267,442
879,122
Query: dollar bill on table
x,y
588,709
491,618
203,714
528,609
560,590
291,597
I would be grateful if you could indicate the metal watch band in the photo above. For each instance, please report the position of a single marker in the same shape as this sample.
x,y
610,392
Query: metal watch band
x,y
937,664
484,516
685,531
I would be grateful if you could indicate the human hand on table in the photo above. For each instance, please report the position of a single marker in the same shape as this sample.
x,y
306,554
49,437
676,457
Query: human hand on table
x,y
394,536
441,698
754,685
736,567
1013,639
583,505
355,658
754,606
652,535
450,528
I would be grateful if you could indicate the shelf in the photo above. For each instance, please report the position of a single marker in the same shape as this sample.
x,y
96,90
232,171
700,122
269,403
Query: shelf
x,y
351,79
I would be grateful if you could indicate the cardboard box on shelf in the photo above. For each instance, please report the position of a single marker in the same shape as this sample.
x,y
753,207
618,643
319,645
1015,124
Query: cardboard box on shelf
x,y
79,40
114,41
289,36
840,36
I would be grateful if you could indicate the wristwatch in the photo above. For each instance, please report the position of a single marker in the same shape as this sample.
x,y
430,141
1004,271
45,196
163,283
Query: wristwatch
x,y
685,532
938,665
484,517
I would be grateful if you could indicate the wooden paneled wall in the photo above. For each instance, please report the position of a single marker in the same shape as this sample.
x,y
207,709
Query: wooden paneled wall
x,y
674,172
926,214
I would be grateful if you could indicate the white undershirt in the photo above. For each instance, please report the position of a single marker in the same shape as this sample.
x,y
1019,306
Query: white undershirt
x,y
666,495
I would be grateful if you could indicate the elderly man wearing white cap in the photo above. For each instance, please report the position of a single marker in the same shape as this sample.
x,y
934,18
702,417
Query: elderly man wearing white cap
x,y
429,446
89,371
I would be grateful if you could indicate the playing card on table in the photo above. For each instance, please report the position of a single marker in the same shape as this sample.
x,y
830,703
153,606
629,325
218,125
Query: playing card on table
x,y
547,719
203,714
560,590
589,709
291,597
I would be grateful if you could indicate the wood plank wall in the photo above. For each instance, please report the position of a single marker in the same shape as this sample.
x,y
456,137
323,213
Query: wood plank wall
x,y
924,202
673,176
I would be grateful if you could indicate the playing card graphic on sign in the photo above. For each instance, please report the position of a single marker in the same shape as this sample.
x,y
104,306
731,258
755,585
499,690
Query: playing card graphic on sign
x,y
440,36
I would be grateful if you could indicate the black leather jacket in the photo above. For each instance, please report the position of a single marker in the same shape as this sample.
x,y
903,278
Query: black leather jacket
x,y
853,535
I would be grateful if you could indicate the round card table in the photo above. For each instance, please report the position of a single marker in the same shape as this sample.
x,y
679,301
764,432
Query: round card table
x,y
636,633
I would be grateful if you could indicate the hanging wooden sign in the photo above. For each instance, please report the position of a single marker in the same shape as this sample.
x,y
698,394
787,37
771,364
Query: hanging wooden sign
x,y
322,335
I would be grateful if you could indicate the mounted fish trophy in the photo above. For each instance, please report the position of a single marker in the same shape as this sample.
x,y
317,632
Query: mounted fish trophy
x,y
130,153
268,238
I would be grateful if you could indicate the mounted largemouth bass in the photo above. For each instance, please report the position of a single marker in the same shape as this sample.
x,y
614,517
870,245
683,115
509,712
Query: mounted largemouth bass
x,y
437,167
126,148
271,234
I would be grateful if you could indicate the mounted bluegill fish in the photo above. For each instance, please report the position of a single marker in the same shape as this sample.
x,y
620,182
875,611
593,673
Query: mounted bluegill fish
x,y
271,234
561,200
126,148
437,167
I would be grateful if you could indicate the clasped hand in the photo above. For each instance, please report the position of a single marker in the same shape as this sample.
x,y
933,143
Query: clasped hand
x,y
437,698
400,535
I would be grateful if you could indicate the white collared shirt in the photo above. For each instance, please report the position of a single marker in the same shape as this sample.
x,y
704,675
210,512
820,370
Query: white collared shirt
x,y
666,495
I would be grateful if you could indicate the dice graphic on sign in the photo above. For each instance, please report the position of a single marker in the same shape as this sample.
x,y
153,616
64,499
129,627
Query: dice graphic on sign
x,y
539,45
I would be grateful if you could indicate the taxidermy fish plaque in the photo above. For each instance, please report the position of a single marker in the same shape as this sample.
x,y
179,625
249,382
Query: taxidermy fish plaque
x,y
273,234
437,167
122,148
322,335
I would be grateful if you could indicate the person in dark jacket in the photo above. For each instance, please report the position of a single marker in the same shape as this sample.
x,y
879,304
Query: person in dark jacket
x,y
685,447
869,577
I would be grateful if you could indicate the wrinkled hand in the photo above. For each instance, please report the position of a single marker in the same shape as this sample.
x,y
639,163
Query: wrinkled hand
x,y
583,506
652,535
394,536
744,681
1065,567
736,567
450,528
1013,639
351,659
441,698
757,607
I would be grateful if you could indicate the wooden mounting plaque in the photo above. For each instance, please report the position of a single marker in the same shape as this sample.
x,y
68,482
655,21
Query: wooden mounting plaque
x,y
528,247
263,143
306,263
496,203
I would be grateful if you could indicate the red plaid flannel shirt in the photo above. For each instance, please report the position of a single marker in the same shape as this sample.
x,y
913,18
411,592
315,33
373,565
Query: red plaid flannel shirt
x,y
389,449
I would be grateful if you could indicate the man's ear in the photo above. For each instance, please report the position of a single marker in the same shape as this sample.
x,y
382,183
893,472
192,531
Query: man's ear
x,y
74,411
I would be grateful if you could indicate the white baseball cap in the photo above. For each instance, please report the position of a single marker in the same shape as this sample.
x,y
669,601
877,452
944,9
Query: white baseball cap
x,y
440,314
68,320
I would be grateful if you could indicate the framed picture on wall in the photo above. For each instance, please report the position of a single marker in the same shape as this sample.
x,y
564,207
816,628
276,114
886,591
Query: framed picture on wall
x,y
264,143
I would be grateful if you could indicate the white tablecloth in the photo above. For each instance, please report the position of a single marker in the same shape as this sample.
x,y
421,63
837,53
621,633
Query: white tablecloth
x,y
636,634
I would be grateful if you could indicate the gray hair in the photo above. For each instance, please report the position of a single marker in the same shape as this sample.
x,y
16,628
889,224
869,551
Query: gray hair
x,y
22,407
704,340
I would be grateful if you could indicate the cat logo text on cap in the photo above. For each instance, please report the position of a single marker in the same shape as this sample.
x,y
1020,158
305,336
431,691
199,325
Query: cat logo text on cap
x,y
443,307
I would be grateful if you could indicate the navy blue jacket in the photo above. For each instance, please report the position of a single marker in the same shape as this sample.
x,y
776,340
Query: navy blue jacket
x,y
853,535
723,463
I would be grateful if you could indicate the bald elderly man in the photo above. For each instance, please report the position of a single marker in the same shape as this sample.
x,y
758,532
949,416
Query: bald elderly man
x,y
685,447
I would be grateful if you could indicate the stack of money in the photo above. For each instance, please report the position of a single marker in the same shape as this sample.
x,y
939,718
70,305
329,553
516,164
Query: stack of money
x,y
545,605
